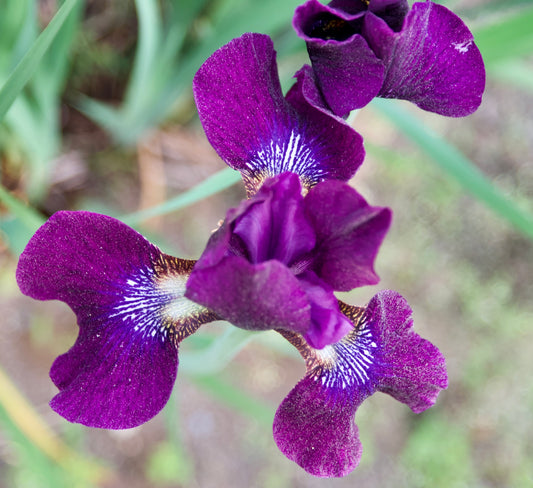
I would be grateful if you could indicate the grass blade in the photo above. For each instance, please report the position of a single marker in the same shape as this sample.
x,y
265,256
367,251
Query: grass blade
x,y
30,62
457,165
216,356
215,183
26,214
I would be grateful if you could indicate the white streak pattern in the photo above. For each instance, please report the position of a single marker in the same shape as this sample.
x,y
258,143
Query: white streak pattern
x,y
293,154
152,306
347,362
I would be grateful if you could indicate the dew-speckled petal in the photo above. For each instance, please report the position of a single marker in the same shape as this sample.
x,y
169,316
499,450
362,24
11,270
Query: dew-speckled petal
x,y
314,425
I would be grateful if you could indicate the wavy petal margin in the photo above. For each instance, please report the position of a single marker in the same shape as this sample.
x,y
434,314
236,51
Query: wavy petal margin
x,y
128,299
314,426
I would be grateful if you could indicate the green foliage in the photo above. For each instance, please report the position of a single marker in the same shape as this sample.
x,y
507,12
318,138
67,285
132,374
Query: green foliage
x,y
456,165
438,455
32,115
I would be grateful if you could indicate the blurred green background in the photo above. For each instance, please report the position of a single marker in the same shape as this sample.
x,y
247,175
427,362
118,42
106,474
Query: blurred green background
x,y
97,114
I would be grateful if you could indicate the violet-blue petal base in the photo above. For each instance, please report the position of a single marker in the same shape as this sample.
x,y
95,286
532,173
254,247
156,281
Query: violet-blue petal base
x,y
259,132
128,299
314,425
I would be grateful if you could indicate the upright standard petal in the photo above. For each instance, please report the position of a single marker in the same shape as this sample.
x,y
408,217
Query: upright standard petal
x,y
379,48
267,267
349,234
314,425
432,62
259,132
244,274
348,72
129,301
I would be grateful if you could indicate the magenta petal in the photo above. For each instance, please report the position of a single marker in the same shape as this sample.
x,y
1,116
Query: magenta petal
x,y
349,73
128,298
255,130
318,432
432,62
412,369
273,225
251,296
349,233
314,425
112,379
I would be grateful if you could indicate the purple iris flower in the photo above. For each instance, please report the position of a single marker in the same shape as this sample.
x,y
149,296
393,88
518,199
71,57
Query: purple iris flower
x,y
278,257
261,133
314,425
361,49
274,264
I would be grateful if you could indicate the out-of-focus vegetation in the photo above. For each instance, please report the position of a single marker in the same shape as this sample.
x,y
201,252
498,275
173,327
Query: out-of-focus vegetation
x,y
97,113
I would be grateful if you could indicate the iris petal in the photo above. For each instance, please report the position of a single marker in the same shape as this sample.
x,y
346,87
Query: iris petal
x,y
433,62
349,233
314,425
348,71
129,300
255,130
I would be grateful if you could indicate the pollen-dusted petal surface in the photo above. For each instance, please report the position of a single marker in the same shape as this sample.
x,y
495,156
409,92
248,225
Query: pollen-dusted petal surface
x,y
433,62
128,299
349,234
256,130
314,425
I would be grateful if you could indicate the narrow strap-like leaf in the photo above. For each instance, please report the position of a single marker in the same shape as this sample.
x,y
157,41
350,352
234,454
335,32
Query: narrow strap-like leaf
x,y
457,165
29,63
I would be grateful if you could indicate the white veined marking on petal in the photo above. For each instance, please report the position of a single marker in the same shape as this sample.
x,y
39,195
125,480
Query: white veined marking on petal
x,y
462,47
347,362
149,303
293,154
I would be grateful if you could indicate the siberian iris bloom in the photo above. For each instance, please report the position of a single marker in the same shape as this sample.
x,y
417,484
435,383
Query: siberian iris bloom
x,y
261,133
361,49
314,425
273,264
278,257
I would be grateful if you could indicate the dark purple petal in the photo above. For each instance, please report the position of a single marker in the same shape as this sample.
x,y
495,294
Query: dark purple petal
x,y
349,233
251,296
393,12
412,369
256,130
348,72
128,298
314,425
317,431
274,225
339,149
433,62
